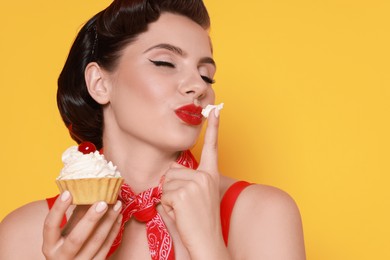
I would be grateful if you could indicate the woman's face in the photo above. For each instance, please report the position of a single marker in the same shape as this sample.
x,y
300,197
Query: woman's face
x,y
167,68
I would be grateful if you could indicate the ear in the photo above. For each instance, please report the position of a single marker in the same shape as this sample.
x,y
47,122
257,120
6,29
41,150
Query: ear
x,y
97,85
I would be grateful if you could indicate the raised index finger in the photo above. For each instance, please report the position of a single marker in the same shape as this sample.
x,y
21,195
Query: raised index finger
x,y
209,156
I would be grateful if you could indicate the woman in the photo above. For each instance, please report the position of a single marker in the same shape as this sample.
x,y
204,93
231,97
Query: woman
x,y
136,78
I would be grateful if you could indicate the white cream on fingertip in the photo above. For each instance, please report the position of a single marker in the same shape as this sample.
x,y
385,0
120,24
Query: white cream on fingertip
x,y
206,111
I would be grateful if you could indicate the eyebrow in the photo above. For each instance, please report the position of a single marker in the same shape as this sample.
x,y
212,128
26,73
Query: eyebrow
x,y
179,51
208,60
167,46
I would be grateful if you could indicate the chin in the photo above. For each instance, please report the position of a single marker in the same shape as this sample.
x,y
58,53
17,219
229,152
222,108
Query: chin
x,y
182,142
179,138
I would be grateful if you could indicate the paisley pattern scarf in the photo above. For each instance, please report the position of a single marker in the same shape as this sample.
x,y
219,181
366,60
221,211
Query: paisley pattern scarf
x,y
142,207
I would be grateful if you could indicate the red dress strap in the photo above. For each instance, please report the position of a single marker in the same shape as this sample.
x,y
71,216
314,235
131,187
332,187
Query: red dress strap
x,y
227,205
50,203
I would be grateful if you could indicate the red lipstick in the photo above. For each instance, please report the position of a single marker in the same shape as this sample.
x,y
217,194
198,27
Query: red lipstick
x,y
190,114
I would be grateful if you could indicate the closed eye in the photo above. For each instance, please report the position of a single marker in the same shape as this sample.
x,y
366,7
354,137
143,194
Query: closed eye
x,y
160,63
208,80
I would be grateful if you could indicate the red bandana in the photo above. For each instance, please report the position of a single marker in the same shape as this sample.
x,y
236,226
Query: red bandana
x,y
142,207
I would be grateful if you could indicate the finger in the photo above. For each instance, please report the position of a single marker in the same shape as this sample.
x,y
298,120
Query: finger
x,y
78,213
179,173
77,237
110,239
174,181
101,233
168,209
176,184
176,165
209,156
52,230
168,201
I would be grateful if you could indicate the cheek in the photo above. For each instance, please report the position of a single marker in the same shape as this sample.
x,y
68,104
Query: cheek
x,y
141,99
140,88
210,97
153,90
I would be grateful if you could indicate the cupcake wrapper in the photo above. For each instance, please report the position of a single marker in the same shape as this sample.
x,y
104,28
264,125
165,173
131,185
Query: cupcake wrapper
x,y
90,190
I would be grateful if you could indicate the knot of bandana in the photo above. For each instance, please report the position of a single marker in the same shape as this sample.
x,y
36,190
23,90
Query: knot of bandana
x,y
142,207
146,214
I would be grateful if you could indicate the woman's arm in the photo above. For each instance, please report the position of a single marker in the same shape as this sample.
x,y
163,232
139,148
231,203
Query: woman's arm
x,y
266,224
21,232
34,232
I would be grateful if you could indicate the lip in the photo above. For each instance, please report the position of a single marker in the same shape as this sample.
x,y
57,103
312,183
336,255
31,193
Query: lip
x,y
190,114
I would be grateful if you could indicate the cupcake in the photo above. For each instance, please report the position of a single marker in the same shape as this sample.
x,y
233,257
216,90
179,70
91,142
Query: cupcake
x,y
88,176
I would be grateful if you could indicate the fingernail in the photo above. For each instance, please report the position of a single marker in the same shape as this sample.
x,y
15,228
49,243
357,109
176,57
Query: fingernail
x,y
101,206
216,112
118,205
65,196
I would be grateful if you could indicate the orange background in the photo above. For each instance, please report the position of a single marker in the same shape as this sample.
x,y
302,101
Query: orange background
x,y
306,92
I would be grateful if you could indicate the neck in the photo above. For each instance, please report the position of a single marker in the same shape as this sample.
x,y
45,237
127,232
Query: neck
x,y
141,165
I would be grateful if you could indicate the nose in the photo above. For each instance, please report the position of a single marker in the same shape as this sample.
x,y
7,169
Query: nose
x,y
194,86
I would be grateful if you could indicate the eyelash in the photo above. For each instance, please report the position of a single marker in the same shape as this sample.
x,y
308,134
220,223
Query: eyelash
x,y
208,80
159,63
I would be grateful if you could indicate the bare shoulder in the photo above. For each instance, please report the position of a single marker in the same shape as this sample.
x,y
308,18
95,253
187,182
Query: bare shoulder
x,y
22,229
269,220
268,200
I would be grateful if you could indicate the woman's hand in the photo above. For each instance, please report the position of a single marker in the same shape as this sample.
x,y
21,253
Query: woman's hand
x,y
192,199
88,234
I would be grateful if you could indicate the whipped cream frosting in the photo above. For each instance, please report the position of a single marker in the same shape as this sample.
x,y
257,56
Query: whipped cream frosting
x,y
206,111
79,166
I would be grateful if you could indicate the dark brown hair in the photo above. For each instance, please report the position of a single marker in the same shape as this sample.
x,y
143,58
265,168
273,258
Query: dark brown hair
x,y
101,40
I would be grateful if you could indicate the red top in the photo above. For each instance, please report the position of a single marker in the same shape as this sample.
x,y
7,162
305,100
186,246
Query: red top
x,y
227,204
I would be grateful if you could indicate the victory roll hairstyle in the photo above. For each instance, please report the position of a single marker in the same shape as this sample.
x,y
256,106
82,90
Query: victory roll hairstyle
x,y
101,40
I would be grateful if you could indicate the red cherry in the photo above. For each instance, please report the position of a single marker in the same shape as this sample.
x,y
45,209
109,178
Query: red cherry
x,y
87,147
